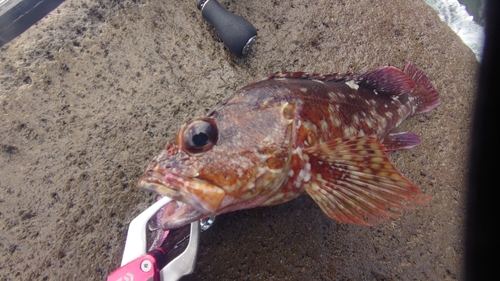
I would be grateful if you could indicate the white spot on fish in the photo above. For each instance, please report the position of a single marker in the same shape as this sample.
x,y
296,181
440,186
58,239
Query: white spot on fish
x,y
305,157
309,140
310,126
298,181
303,90
352,84
369,123
388,114
324,125
304,176
356,119
347,131
384,122
336,121
298,152
307,177
290,174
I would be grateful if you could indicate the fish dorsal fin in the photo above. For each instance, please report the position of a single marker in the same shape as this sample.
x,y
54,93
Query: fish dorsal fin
x,y
387,80
353,181
332,77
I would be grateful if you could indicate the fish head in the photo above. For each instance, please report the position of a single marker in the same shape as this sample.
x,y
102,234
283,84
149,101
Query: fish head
x,y
173,173
234,158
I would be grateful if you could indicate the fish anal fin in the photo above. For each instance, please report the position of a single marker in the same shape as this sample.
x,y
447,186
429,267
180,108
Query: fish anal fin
x,y
354,182
402,140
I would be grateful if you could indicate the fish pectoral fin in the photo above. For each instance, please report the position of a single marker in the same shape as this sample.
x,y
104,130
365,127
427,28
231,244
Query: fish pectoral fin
x,y
352,180
403,140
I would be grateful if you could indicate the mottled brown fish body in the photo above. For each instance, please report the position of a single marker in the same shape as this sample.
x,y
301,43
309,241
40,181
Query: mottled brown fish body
x,y
290,133
326,110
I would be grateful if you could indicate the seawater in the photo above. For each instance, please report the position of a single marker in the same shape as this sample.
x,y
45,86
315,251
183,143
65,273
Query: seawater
x,y
475,8
453,13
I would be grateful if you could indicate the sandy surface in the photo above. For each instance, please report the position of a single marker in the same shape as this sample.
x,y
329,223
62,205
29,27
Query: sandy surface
x,y
92,92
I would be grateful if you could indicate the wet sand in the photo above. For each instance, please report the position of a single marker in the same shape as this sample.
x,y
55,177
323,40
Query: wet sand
x,y
92,92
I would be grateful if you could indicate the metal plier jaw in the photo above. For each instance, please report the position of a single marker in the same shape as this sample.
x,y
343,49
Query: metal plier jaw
x,y
138,264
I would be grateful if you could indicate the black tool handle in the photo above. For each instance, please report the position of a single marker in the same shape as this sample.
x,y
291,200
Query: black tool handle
x,y
237,33
16,16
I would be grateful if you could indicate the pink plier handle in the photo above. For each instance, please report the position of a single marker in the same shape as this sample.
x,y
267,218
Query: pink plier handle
x,y
138,264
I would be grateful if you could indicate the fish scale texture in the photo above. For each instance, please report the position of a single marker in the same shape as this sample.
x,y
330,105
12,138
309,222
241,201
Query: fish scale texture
x,y
97,88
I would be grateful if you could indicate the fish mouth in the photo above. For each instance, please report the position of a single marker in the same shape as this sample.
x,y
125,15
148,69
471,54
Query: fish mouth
x,y
177,214
193,198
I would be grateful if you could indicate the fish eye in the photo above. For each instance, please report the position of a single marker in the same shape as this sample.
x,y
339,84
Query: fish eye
x,y
200,135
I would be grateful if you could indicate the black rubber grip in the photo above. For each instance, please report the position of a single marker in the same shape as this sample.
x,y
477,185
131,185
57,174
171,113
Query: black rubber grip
x,y
16,16
234,30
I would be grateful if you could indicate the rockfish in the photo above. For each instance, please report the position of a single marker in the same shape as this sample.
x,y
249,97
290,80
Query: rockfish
x,y
293,133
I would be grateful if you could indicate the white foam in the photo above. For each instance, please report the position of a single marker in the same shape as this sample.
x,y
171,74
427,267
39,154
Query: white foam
x,y
459,20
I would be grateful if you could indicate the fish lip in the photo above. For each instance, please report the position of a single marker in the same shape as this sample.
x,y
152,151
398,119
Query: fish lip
x,y
177,215
154,181
185,210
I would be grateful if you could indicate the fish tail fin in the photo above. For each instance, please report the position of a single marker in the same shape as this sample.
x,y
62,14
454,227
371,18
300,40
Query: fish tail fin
x,y
425,97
